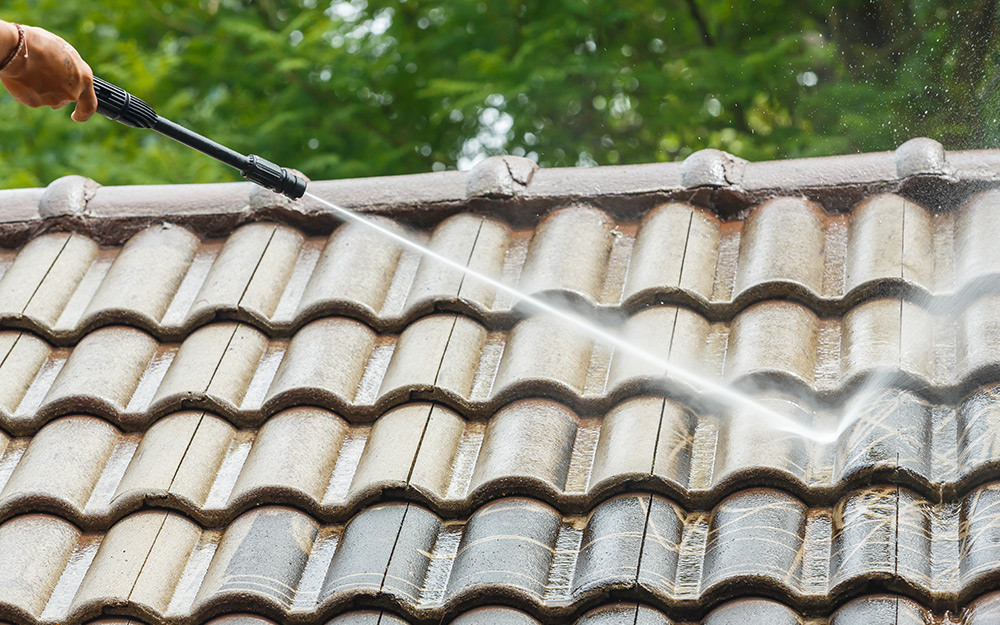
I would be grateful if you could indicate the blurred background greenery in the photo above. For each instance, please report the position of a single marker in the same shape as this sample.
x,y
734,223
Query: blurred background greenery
x,y
361,88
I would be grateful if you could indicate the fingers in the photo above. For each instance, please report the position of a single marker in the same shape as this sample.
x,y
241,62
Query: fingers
x,y
86,105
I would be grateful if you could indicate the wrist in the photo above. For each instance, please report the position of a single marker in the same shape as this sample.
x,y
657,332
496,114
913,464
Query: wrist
x,y
8,38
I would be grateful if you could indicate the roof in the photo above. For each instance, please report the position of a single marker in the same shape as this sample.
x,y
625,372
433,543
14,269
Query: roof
x,y
217,404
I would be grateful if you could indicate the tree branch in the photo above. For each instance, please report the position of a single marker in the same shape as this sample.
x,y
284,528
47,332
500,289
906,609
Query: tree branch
x,y
700,20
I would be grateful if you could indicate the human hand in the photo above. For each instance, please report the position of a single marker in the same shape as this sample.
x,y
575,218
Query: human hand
x,y
50,72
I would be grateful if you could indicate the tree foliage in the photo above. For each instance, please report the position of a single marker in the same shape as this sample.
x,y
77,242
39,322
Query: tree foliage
x,y
357,88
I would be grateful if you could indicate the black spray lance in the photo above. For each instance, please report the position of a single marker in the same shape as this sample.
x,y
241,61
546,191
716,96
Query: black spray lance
x,y
121,106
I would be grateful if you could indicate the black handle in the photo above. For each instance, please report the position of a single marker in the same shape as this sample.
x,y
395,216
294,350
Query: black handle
x,y
121,106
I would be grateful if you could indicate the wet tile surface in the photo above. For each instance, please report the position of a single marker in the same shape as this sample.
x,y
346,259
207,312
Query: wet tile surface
x,y
276,426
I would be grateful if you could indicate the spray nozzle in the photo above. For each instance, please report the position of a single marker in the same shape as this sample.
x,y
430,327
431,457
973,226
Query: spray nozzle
x,y
119,105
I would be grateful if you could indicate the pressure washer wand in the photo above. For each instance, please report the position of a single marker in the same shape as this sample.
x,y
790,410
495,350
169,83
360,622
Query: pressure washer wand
x,y
119,105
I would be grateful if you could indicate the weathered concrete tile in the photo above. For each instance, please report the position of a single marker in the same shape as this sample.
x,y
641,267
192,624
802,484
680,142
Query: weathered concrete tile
x,y
201,461
216,362
782,242
259,560
22,356
154,465
675,250
435,281
892,430
569,252
26,273
889,238
488,257
977,229
437,458
44,275
230,275
881,609
291,459
651,330
527,443
354,271
748,448
752,610
163,566
306,371
609,553
419,352
362,557
273,271
627,444
870,338
494,615
102,371
144,276
978,337
389,452
119,561
864,536
661,549
756,535
508,544
60,467
543,351
407,570
982,611
461,358
774,339
35,550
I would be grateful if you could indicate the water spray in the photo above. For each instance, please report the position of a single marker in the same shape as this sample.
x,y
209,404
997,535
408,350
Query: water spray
x,y
119,105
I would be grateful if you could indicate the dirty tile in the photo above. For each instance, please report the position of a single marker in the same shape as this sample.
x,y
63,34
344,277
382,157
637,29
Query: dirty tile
x,y
22,356
569,252
389,454
35,550
783,242
675,250
526,443
438,458
354,271
233,269
215,362
291,459
540,351
435,281
102,371
274,269
773,339
144,276
60,467
305,370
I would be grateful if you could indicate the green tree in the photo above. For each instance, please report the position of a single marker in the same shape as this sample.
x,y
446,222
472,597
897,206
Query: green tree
x,y
357,88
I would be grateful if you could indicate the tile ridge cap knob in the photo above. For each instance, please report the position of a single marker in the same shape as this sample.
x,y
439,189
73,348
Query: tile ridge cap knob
x,y
67,195
921,156
500,176
712,168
